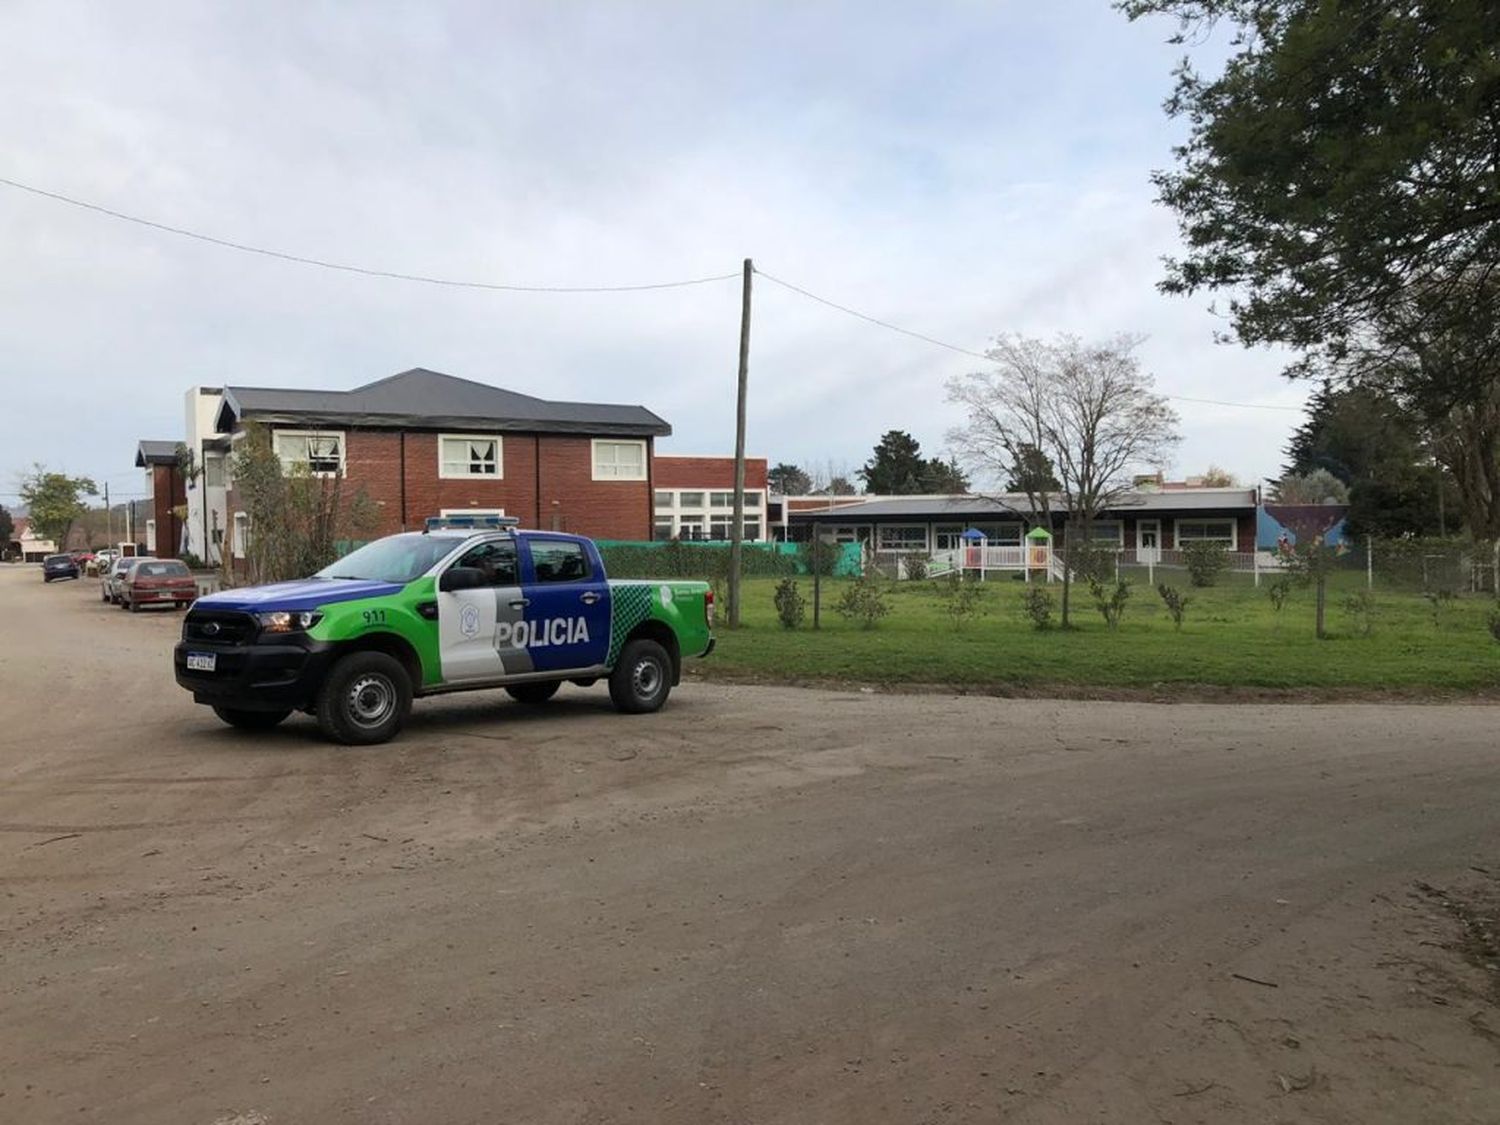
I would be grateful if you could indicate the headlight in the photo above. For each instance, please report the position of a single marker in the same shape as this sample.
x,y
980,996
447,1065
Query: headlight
x,y
284,621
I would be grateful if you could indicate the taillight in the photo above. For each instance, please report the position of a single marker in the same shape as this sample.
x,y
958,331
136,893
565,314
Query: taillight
x,y
708,608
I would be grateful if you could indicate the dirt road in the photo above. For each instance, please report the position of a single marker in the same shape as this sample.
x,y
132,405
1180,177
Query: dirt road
x,y
761,905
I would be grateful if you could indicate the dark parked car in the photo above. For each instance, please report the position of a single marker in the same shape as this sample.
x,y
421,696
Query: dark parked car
x,y
157,582
59,566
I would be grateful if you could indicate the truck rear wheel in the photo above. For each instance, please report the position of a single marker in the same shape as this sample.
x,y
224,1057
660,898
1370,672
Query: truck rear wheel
x,y
533,694
364,699
642,680
250,720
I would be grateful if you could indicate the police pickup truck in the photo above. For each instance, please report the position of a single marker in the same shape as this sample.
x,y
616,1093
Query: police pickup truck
x,y
469,603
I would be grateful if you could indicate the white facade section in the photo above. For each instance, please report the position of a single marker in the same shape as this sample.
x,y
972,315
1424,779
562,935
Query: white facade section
x,y
207,523
705,513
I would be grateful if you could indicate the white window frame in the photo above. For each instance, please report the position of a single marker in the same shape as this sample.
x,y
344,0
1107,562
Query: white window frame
x,y
343,437
906,545
615,476
1119,535
1232,543
951,531
151,536
471,512
498,474
667,504
239,538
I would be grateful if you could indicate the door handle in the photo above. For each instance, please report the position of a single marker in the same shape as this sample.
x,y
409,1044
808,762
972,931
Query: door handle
x,y
520,603
589,598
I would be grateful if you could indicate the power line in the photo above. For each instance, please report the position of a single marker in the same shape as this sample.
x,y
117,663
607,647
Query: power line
x,y
362,270
981,355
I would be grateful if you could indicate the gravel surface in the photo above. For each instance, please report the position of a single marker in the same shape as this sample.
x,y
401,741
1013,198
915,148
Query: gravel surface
x,y
761,905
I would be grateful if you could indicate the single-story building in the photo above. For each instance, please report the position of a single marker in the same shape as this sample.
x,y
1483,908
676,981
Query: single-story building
x,y
1144,526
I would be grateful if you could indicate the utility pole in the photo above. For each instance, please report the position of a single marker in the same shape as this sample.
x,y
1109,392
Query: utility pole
x,y
737,532
109,523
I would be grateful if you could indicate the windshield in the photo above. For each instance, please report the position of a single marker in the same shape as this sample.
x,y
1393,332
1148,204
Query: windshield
x,y
397,558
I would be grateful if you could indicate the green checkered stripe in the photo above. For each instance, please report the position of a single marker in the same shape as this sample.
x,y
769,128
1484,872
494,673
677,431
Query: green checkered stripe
x,y
628,607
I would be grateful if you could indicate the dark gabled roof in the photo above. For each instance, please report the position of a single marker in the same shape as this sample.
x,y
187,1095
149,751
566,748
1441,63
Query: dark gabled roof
x,y
155,453
429,400
1012,504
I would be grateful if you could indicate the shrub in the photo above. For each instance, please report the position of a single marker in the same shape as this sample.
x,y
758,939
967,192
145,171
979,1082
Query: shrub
x,y
961,598
916,567
1037,603
819,557
863,600
675,559
791,606
1494,623
1092,562
1205,561
1109,599
1278,591
1361,607
1438,601
1176,603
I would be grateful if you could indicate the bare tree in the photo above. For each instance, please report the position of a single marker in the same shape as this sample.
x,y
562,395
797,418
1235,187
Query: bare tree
x,y
1087,406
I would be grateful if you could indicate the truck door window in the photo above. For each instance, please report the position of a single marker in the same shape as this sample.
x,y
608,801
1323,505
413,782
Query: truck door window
x,y
497,560
557,561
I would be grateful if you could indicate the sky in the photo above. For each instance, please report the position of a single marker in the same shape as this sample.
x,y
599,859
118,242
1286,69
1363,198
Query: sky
x,y
962,169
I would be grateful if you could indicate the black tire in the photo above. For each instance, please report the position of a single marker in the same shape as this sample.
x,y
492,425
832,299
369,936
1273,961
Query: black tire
x,y
533,694
364,699
250,720
642,680
132,605
103,595
46,580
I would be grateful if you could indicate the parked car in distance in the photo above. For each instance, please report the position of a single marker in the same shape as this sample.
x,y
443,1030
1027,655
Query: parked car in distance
x,y
111,577
100,562
59,566
157,582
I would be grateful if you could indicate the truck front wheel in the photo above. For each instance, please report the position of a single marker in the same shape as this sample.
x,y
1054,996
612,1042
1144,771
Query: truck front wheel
x,y
642,680
364,699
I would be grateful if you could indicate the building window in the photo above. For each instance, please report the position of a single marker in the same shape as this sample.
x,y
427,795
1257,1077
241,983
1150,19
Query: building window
x,y
1107,531
461,456
213,472
557,560
619,460
998,534
752,499
752,530
321,454
662,498
690,527
241,538
721,499
690,499
151,536
1207,531
661,530
947,537
902,537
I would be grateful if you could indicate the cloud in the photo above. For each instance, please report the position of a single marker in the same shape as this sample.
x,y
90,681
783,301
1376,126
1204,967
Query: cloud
x,y
958,169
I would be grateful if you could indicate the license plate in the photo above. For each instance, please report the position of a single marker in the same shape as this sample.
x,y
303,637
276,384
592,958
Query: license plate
x,y
202,661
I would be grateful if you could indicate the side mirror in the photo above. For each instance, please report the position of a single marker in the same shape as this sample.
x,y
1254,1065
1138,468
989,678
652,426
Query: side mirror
x,y
461,578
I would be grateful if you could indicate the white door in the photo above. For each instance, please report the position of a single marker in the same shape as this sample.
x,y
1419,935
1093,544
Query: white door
x,y
1148,541
469,620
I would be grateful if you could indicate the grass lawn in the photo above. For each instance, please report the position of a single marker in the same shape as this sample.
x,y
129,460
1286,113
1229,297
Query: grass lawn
x,y
1231,638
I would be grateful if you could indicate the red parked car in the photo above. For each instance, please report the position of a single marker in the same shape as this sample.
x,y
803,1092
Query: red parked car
x,y
157,582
